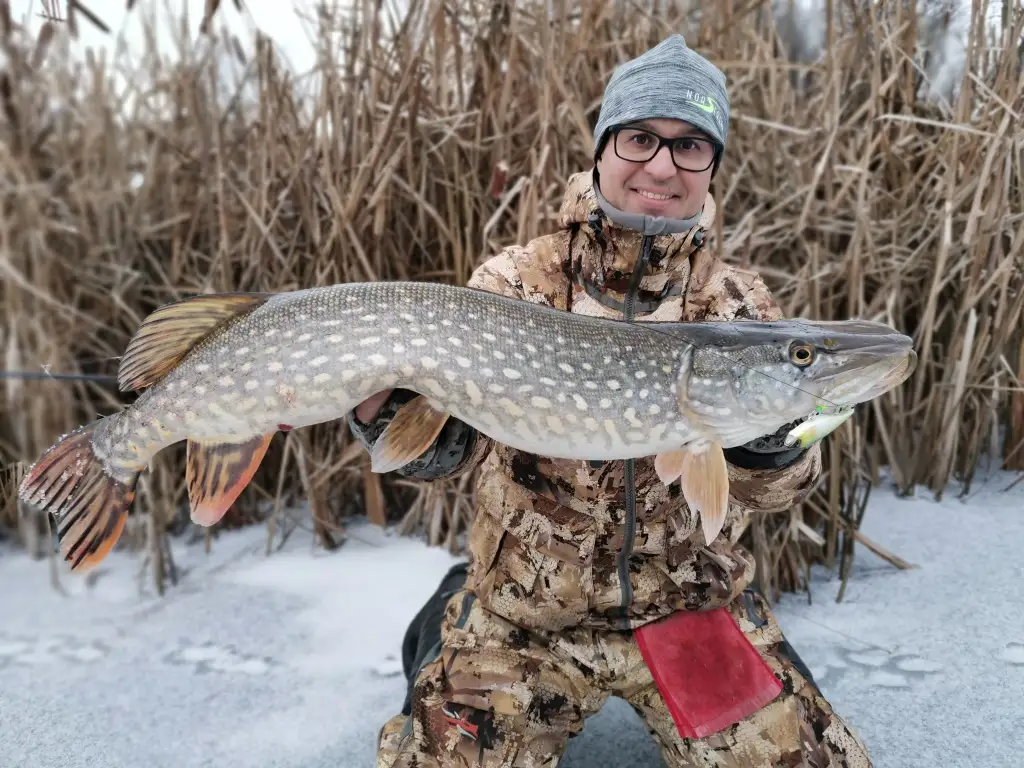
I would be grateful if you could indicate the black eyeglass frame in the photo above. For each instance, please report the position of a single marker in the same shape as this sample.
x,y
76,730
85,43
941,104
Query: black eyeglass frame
x,y
662,142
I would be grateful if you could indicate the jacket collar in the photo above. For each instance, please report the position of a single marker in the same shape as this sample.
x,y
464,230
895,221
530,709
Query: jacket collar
x,y
605,259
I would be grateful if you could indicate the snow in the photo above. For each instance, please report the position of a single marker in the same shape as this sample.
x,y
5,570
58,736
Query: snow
x,y
293,658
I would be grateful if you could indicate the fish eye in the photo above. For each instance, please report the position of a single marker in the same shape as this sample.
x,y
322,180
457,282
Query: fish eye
x,y
801,355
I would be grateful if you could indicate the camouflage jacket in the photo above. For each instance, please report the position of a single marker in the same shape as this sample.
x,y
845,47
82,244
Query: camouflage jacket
x,y
558,543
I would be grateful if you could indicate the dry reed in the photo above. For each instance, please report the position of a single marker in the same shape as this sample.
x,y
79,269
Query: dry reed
x,y
416,155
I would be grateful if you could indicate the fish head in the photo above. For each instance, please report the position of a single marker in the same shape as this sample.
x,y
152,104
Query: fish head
x,y
747,379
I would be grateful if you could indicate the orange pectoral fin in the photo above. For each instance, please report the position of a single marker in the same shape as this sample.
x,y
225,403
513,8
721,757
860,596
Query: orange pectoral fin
x,y
217,471
705,481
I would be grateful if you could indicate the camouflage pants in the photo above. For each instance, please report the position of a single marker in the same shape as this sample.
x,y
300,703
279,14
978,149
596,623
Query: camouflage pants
x,y
501,697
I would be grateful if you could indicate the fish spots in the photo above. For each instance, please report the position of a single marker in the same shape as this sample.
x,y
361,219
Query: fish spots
x,y
305,337
203,367
368,318
419,342
641,374
299,353
274,367
377,359
428,362
463,362
225,381
369,340
613,432
476,397
555,424
320,378
540,402
590,384
613,384
630,415
511,373
241,351
605,403
408,370
488,336
348,357
581,404
398,349
548,382
566,368
498,355
511,408
251,384
301,378
496,388
435,388
653,410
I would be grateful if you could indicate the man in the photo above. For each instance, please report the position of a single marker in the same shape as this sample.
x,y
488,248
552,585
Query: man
x,y
590,579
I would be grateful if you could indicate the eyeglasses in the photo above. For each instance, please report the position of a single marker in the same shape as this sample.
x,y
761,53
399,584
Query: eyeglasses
x,y
689,153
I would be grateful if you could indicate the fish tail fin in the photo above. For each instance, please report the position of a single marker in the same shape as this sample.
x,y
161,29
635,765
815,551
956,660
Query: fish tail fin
x,y
90,505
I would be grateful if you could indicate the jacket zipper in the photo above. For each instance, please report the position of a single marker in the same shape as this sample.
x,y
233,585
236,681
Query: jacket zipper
x,y
629,479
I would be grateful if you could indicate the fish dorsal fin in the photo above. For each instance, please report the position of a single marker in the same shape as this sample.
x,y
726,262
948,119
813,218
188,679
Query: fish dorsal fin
x,y
169,332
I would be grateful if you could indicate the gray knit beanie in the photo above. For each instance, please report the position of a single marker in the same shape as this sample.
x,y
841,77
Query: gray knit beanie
x,y
668,81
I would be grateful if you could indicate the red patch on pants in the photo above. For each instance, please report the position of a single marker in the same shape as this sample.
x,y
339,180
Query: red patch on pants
x,y
706,670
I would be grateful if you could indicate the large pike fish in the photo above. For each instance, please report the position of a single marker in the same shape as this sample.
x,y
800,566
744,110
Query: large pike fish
x,y
227,372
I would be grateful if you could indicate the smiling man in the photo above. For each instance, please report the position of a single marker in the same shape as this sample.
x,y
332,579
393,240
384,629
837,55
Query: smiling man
x,y
587,580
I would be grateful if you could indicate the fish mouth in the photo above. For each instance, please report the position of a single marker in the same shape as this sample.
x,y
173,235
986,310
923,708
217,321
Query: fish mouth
x,y
871,372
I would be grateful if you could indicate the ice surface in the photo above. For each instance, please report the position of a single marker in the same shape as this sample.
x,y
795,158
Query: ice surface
x,y
294,659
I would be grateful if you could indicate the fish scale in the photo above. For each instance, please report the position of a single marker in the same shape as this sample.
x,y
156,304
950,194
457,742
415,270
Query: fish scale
x,y
226,372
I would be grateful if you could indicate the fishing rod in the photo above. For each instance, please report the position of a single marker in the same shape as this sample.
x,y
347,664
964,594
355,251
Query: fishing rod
x,y
41,375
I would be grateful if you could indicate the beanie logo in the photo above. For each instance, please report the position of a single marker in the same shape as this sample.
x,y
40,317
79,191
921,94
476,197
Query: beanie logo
x,y
703,103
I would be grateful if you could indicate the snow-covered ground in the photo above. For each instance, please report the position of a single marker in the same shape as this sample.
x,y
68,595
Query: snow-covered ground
x,y
294,659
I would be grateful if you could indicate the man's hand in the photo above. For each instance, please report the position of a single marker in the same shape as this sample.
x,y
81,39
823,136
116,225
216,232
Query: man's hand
x,y
367,409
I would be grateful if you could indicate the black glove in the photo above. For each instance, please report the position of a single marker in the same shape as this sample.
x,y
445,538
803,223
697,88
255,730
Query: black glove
x,y
445,455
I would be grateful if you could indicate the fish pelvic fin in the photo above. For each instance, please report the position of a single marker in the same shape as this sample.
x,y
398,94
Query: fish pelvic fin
x,y
89,505
171,331
704,476
416,425
217,471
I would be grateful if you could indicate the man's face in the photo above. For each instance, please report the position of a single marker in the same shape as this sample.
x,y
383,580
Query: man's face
x,y
656,187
